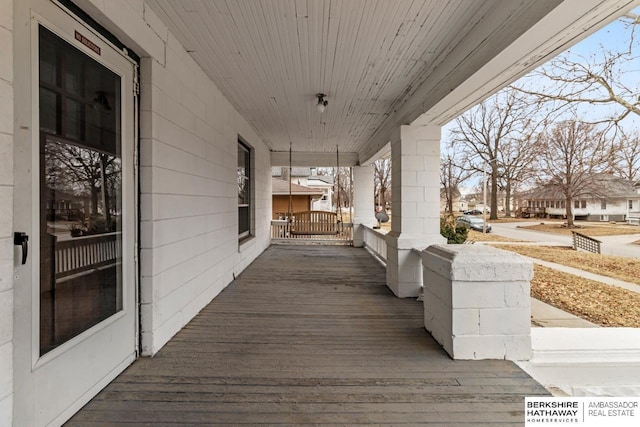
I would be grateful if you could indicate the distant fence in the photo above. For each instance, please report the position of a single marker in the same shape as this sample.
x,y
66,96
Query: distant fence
x,y
375,242
581,241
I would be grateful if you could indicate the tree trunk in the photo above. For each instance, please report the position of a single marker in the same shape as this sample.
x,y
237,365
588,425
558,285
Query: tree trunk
x,y
449,189
507,199
569,212
494,192
103,189
94,200
382,196
450,203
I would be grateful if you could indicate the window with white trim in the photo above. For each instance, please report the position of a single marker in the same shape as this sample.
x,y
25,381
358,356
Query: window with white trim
x,y
245,188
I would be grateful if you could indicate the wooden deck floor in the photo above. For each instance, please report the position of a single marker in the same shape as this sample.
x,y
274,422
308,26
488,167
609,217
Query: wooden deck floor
x,y
310,335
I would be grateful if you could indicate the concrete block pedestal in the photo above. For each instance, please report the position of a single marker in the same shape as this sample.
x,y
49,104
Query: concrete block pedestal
x,y
404,265
477,301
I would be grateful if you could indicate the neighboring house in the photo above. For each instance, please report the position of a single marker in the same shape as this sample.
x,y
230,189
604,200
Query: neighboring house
x,y
308,177
455,203
611,199
302,197
475,201
66,205
469,201
633,206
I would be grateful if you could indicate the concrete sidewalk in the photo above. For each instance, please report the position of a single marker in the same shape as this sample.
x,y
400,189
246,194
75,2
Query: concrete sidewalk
x,y
544,315
587,275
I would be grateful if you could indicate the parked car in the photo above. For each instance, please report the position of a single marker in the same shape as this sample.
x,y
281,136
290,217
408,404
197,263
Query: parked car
x,y
472,222
476,211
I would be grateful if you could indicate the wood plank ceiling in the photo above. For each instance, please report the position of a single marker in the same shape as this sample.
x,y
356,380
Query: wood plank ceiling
x,y
270,58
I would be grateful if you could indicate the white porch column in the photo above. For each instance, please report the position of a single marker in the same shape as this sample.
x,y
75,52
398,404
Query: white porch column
x,y
363,203
415,217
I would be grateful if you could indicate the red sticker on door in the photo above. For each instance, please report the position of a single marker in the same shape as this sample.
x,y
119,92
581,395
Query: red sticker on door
x,y
88,43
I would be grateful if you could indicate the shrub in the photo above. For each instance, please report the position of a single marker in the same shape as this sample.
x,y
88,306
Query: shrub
x,y
454,233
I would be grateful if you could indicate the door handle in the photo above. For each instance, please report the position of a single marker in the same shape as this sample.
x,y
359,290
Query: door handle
x,y
22,239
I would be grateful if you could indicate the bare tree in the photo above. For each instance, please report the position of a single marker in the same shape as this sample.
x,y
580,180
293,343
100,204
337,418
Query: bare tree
x,y
452,175
490,133
342,187
601,79
382,181
81,170
572,154
341,196
516,158
627,156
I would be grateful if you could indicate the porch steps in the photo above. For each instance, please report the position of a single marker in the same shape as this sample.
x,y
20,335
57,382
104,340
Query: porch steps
x,y
586,361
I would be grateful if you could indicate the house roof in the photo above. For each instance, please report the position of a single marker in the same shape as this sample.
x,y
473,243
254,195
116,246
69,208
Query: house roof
x,y
295,171
279,187
324,178
301,172
601,186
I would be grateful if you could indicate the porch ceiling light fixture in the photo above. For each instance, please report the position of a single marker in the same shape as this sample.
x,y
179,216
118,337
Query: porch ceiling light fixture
x,y
322,102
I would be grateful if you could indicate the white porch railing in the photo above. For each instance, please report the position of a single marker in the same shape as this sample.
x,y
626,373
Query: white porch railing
x,y
375,242
282,232
633,218
81,255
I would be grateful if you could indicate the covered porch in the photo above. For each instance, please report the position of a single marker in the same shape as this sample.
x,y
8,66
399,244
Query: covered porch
x,y
219,325
305,335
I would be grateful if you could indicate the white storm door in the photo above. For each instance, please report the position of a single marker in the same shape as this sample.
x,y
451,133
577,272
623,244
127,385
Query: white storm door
x,y
75,324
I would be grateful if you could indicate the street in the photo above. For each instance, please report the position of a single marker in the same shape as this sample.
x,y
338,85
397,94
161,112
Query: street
x,y
611,245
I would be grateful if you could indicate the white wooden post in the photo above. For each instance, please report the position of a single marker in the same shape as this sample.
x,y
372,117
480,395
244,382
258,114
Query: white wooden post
x,y
364,192
415,216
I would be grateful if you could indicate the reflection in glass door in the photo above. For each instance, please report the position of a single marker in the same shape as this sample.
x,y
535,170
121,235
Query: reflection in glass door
x,y
80,192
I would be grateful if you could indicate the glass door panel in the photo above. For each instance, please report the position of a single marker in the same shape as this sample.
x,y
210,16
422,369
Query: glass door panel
x,y
80,192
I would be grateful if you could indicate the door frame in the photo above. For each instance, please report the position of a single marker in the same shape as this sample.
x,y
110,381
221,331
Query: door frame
x,y
29,15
